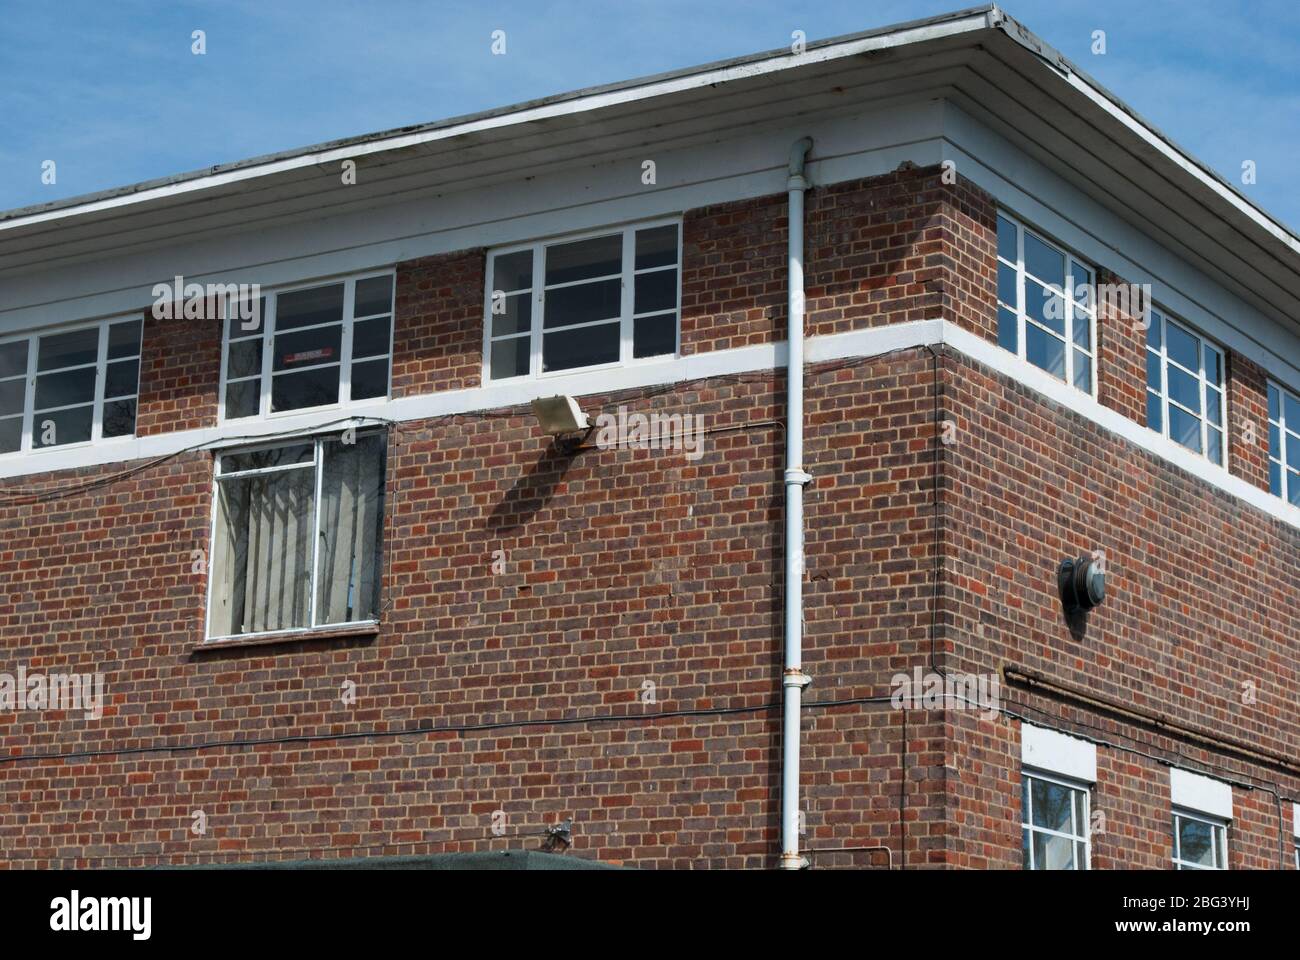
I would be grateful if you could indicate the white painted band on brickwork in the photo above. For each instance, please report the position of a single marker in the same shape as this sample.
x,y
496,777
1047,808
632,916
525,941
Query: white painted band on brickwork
x,y
872,342
1199,794
1058,753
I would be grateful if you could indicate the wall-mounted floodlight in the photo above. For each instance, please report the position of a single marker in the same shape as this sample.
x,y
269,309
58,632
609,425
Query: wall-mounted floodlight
x,y
560,415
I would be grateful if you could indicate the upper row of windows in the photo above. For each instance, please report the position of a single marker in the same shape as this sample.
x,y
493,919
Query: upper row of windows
x,y
594,301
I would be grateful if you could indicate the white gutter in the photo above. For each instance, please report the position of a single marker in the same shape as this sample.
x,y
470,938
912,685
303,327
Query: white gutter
x,y
793,679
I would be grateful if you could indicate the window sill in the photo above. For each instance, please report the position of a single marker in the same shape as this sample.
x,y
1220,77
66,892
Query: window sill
x,y
290,636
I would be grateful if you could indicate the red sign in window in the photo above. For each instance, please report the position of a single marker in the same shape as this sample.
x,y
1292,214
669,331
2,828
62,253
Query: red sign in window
x,y
323,353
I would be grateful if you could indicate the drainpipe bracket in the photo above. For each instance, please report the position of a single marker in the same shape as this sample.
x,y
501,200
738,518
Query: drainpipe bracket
x,y
797,476
794,677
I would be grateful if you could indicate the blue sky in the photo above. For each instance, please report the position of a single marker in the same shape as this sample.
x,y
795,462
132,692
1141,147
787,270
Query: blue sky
x,y
112,93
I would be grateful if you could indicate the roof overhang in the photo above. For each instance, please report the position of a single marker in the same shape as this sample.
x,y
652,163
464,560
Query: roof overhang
x,y
992,66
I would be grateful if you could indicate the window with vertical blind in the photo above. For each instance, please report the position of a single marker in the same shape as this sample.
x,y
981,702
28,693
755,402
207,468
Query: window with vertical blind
x,y
1055,825
602,300
297,535
69,386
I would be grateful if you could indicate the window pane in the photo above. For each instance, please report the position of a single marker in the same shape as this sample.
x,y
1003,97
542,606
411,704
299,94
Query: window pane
x,y
1007,239
583,347
1153,331
373,295
13,358
261,559
510,358
1195,842
310,388
1051,803
1292,450
583,303
243,399
1185,429
122,378
1214,406
298,454
1291,408
63,426
309,348
351,530
11,434
1083,372
1043,262
1274,442
1274,408
584,259
1045,351
516,315
244,359
1154,411
68,349
1081,276
1275,478
1008,332
1153,371
370,338
1053,853
656,247
13,396
654,336
1183,347
119,418
1025,839
655,291
1184,389
1082,324
513,271
1044,306
1007,285
1213,362
124,340
304,308
370,379
1214,445
1293,487
245,319
65,389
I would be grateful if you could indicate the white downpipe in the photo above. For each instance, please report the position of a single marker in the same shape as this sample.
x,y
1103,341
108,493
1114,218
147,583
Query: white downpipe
x,y
793,679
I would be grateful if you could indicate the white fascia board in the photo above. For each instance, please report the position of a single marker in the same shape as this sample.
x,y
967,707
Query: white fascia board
x,y
1058,753
1200,794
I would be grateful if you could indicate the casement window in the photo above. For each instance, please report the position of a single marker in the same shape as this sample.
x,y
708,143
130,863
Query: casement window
x,y
297,535
1054,827
1284,443
594,301
69,386
1200,841
1185,396
324,345
1046,305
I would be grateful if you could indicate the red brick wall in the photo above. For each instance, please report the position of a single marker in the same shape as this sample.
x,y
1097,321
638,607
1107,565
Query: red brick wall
x,y
520,691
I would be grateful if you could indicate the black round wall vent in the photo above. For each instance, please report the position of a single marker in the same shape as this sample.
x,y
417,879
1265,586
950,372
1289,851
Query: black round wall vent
x,y
1082,582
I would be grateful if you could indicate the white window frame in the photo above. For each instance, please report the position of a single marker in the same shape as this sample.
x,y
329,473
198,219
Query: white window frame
x,y
1022,316
345,401
627,276
33,338
1283,428
318,466
1219,831
1026,814
1160,315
